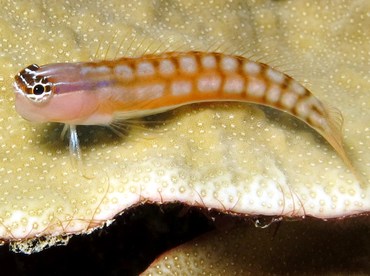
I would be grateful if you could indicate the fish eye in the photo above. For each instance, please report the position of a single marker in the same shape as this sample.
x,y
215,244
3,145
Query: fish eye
x,y
38,89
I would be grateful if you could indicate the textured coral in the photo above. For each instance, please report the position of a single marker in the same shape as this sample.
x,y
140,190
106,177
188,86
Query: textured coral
x,y
233,157
309,247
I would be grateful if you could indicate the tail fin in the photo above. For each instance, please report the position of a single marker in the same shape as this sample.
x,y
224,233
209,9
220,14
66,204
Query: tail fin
x,y
333,134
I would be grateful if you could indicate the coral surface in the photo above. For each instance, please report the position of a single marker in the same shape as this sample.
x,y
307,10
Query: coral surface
x,y
237,158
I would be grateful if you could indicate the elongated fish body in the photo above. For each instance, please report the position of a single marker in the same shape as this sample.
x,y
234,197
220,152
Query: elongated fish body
x,y
100,93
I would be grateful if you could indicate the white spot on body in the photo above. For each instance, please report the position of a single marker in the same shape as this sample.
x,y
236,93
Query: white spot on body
x,y
234,85
102,69
256,87
251,68
229,64
209,83
124,71
316,119
209,62
275,76
273,94
297,88
302,109
288,100
94,69
85,70
304,106
145,68
166,67
181,87
149,92
188,64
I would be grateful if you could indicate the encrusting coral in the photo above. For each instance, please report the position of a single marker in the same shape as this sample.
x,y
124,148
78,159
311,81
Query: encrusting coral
x,y
233,157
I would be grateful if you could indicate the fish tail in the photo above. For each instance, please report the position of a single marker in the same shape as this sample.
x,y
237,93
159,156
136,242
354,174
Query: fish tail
x,y
333,134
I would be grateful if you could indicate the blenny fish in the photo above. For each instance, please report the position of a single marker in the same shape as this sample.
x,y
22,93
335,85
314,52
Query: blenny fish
x,y
104,92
